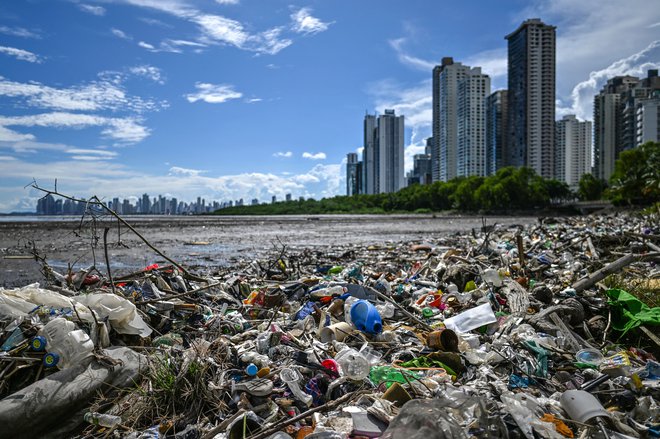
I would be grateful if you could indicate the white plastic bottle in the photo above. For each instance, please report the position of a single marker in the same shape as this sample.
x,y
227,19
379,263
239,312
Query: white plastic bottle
x,y
70,344
102,419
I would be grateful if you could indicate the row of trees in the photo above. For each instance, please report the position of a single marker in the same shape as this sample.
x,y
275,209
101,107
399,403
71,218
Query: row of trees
x,y
509,188
636,180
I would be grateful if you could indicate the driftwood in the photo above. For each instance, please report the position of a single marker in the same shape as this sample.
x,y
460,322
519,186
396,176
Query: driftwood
x,y
601,274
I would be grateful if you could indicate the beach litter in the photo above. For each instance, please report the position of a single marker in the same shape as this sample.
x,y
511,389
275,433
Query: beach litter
x,y
507,332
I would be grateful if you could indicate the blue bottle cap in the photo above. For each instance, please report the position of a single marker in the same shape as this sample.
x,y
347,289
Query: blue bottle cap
x,y
51,359
251,369
38,343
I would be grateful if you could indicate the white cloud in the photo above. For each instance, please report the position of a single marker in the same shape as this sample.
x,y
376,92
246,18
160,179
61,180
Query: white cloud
x,y
149,72
227,2
213,94
105,94
253,100
120,34
90,9
173,46
286,154
314,156
218,30
305,23
305,179
7,135
109,179
176,170
124,130
635,65
18,32
90,154
20,54
405,58
145,45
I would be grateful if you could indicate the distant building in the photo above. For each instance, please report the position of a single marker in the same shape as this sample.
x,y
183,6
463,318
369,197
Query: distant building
x,y
255,202
625,116
496,130
421,172
274,199
353,174
446,78
383,153
472,92
531,96
572,150
287,197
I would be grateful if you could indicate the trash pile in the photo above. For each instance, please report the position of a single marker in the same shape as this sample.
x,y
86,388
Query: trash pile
x,y
513,332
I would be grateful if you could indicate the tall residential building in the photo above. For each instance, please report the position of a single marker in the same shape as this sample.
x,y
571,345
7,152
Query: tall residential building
x,y
496,130
647,120
446,78
572,150
353,174
609,107
531,85
471,125
383,153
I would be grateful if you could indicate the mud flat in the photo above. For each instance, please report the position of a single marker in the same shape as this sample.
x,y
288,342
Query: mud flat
x,y
208,242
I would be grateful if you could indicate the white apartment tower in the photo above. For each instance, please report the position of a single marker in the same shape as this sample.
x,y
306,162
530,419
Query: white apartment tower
x,y
446,78
383,153
572,150
472,92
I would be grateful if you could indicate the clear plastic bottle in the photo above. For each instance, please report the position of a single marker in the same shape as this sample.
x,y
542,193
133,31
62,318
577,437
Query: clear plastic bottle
x,y
70,345
352,364
102,419
348,303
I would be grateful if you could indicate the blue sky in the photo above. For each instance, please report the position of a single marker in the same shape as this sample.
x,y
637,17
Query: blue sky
x,y
229,99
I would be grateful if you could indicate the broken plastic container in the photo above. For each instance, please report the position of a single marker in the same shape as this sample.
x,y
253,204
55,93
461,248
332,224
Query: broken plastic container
x,y
365,317
65,344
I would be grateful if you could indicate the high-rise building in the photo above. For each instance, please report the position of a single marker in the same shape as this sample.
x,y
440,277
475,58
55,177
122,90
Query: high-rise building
x,y
471,127
383,153
446,78
496,130
353,174
572,150
531,97
609,107
146,204
647,120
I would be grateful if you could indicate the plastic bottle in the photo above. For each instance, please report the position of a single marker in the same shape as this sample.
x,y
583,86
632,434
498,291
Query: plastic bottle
x,y
102,419
67,344
255,358
386,310
291,379
365,317
348,303
352,364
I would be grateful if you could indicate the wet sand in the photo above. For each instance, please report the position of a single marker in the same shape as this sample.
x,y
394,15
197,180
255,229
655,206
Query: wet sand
x,y
207,242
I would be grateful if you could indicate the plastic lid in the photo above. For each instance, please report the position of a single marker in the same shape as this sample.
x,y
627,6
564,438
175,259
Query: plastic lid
x,y
590,356
51,359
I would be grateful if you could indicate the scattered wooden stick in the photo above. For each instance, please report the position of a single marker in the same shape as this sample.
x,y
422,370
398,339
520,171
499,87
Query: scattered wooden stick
x,y
403,310
601,274
107,259
280,425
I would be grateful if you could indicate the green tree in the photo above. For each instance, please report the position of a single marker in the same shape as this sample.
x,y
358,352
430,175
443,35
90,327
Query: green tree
x,y
590,188
636,178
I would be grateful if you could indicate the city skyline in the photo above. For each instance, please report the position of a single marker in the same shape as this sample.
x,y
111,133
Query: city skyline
x,y
162,99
